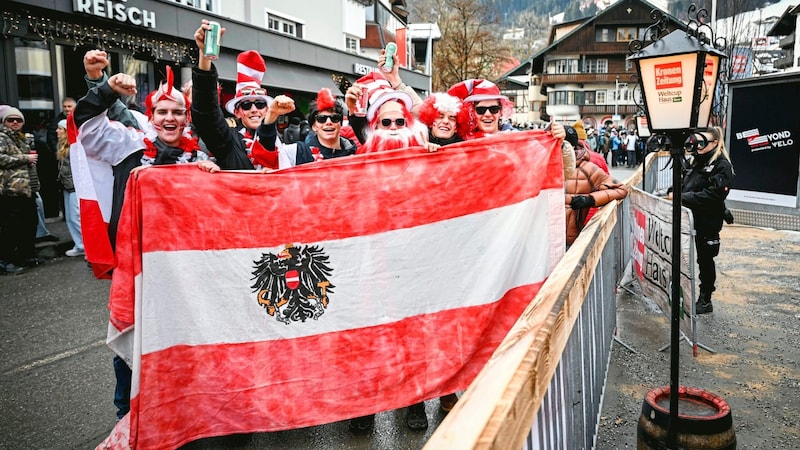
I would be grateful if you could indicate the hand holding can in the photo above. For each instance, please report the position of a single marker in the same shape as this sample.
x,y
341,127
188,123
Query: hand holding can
x,y
33,157
212,40
390,51
361,104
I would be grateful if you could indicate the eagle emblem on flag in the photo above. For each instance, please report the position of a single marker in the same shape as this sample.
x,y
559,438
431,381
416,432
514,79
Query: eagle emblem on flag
x,y
294,284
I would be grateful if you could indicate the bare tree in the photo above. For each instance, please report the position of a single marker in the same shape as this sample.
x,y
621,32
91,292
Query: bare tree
x,y
470,46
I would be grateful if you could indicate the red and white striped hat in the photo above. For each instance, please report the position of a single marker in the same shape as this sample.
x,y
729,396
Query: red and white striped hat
x,y
379,92
250,68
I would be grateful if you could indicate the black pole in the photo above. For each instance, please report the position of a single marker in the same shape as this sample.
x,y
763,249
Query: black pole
x,y
676,150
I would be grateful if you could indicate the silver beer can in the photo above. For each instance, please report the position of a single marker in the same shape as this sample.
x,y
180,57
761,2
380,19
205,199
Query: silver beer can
x,y
211,43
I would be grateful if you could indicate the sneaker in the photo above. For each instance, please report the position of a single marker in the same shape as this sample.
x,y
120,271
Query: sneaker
x,y
704,307
73,252
416,419
10,268
361,425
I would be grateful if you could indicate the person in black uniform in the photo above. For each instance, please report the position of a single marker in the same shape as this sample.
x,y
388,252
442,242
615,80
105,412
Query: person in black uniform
x,y
707,178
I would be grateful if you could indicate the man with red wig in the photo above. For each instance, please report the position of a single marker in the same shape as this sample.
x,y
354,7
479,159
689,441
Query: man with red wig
x,y
123,149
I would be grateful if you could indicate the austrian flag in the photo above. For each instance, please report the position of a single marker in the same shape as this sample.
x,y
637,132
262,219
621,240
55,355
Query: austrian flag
x,y
250,302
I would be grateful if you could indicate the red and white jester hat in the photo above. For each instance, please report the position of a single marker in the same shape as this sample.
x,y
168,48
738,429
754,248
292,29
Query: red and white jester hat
x,y
165,91
250,70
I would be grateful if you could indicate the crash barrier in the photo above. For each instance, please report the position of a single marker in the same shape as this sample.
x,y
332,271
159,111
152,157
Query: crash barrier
x,y
543,387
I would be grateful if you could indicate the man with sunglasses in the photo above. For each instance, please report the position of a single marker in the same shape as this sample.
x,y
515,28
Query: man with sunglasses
x,y
18,218
487,107
250,145
388,123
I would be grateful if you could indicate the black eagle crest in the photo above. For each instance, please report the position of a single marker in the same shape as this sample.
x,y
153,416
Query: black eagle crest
x,y
294,284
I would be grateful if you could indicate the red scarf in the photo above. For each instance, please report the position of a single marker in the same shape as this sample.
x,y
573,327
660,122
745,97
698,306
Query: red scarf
x,y
188,145
259,156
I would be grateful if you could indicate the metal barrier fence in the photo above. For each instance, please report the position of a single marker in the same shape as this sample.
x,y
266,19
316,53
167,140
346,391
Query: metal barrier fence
x,y
543,387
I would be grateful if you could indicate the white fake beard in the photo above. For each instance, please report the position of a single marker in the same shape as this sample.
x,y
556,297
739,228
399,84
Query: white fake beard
x,y
382,140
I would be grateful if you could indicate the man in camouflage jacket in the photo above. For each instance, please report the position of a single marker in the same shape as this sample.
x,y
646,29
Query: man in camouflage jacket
x,y
18,180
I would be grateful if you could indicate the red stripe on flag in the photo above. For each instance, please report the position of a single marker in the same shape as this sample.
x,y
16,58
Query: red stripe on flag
x,y
328,378
299,201
95,239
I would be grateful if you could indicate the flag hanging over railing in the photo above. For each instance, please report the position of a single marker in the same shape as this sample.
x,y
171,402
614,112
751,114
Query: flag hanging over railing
x,y
263,302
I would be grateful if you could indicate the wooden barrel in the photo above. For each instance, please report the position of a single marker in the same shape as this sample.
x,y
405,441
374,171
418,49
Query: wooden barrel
x,y
704,421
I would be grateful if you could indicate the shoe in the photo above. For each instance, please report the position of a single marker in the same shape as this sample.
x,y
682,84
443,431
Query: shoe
x,y
73,252
32,262
703,304
11,269
448,402
361,425
47,238
416,418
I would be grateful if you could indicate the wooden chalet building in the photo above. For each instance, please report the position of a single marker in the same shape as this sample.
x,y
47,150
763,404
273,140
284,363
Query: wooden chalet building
x,y
583,72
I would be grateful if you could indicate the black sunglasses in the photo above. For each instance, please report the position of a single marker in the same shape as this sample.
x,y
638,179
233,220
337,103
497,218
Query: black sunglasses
x,y
322,118
481,110
245,105
401,122
15,119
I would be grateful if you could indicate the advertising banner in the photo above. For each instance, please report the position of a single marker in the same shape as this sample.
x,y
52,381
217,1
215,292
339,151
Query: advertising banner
x,y
652,254
763,144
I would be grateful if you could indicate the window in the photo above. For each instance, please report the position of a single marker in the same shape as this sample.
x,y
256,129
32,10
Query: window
x,y
562,66
205,5
600,97
604,35
284,25
596,65
351,44
590,97
626,34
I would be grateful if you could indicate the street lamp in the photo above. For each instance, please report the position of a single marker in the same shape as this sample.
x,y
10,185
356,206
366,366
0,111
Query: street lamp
x,y
678,73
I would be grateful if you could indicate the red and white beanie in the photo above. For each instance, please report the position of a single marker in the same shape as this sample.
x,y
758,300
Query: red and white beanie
x,y
250,68
476,90
379,91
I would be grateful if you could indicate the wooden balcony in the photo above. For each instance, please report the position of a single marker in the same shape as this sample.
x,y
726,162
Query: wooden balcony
x,y
623,110
573,78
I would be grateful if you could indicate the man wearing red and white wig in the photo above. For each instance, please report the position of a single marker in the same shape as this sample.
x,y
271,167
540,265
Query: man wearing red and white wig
x,y
446,117
243,147
487,106
113,150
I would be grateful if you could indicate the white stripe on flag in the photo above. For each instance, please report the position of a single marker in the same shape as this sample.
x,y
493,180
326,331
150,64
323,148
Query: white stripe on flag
x,y
204,297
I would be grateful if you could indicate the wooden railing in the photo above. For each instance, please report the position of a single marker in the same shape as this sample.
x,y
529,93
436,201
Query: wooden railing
x,y
567,330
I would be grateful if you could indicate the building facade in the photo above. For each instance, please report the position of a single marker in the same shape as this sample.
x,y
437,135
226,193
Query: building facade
x,y
583,73
304,43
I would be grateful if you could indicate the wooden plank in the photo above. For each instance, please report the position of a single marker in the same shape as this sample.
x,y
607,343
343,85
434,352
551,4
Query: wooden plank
x,y
497,410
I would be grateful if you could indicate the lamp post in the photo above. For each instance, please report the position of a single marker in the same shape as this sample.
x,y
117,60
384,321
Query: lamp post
x,y
678,73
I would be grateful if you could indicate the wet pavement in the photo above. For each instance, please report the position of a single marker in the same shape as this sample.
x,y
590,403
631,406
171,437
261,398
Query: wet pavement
x,y
57,380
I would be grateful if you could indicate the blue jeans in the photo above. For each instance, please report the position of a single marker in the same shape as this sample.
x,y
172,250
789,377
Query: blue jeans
x,y
41,230
72,214
122,390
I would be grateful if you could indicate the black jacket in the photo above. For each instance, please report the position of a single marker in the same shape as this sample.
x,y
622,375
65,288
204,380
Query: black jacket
x,y
704,189
222,141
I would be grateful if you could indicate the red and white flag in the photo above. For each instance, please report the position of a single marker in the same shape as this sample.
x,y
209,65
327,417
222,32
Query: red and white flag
x,y
265,302
95,149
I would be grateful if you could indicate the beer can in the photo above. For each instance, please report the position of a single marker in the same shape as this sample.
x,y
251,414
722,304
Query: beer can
x,y
211,43
361,106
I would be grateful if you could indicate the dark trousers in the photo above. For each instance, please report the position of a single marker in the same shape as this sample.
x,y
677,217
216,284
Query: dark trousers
x,y
707,248
122,391
17,228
